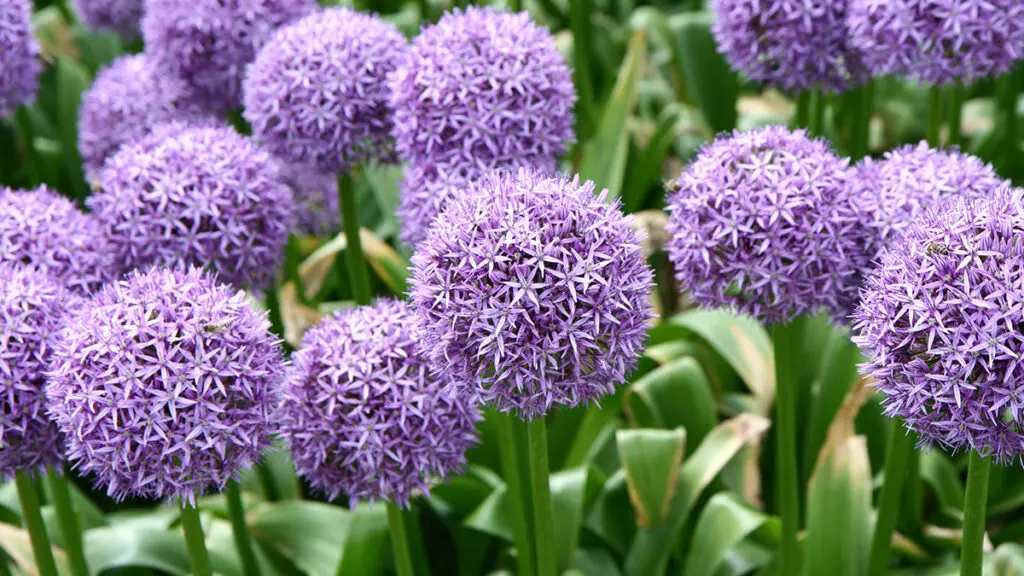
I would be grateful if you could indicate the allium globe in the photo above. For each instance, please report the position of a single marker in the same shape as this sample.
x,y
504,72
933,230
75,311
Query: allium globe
x,y
939,323
794,45
32,310
317,92
208,43
532,292
363,414
316,199
21,64
938,41
482,86
164,385
119,16
203,196
765,222
44,229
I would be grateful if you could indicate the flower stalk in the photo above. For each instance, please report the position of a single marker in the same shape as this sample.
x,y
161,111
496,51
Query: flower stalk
x,y
358,275
975,508
544,529
786,339
33,520
195,540
243,542
900,448
67,518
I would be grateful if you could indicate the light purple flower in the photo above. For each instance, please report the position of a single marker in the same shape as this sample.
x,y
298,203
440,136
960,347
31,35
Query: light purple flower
x,y
316,199
119,16
20,65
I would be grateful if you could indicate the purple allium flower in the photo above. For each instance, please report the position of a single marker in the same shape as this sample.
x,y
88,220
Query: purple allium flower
x,y
208,43
20,65
119,16
939,321
532,292
765,222
32,310
938,41
44,229
164,385
316,199
363,414
911,179
482,86
202,196
317,92
792,44
125,102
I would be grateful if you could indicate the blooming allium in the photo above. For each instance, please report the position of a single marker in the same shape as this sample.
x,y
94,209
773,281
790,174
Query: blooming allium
x,y
938,41
208,43
201,196
125,102
317,92
44,229
119,16
164,385
20,65
532,292
939,320
483,87
316,199
765,222
32,309
795,45
362,412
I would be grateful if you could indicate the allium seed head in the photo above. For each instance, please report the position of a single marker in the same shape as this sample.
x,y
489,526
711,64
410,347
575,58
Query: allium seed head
x,y
164,385
202,196
364,415
119,16
32,310
44,229
316,199
939,321
764,222
317,93
532,292
20,65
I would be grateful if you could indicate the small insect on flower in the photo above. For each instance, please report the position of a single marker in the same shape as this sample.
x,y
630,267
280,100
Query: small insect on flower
x,y
20,65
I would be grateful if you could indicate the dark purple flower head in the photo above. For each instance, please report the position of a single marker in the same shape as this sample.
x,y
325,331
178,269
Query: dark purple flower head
x,y
938,41
939,320
532,291
364,415
202,196
208,43
316,199
125,102
795,45
119,16
32,310
483,86
317,93
164,385
20,65
765,222
44,229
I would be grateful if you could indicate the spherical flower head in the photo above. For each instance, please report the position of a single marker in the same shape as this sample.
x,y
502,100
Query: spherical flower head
x,y
119,16
202,196
32,310
938,42
532,292
20,65
317,93
316,199
482,85
794,45
164,385
938,321
43,229
208,43
124,103
764,222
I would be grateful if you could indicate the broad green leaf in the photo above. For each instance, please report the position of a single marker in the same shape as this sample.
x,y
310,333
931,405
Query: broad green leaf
x,y
391,268
724,523
493,516
126,546
593,562
72,81
279,470
944,480
1009,560
667,352
646,172
677,395
837,377
16,544
612,518
651,459
309,534
710,82
365,541
597,426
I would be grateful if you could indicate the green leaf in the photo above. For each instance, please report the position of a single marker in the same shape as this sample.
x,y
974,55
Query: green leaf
x,y
134,546
676,395
1009,560
724,523
612,517
571,493
72,81
710,82
593,562
837,377
365,541
309,534
651,459
944,480
646,172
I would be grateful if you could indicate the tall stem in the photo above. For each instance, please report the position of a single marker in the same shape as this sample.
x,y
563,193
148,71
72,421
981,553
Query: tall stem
x,y
816,122
956,105
900,446
975,508
1009,91
862,121
802,116
540,484
33,519
399,541
515,482
195,541
358,276
933,129
70,524
243,543
786,339
579,18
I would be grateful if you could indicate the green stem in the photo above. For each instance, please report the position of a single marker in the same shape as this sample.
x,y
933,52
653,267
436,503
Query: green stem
x,y
786,339
515,5
1009,90
33,519
399,541
424,7
195,541
358,275
862,121
913,495
956,105
900,447
816,122
270,491
541,488
975,507
70,524
579,17
243,543
934,128
802,116
508,446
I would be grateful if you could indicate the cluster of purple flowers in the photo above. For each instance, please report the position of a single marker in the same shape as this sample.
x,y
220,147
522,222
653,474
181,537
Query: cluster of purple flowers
x,y
20,66
120,16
